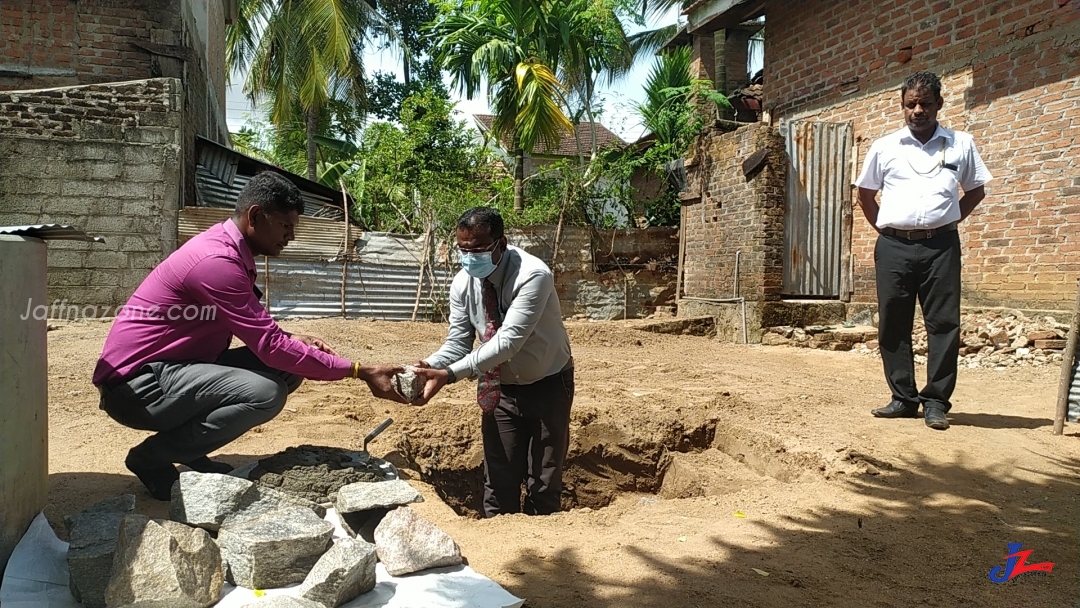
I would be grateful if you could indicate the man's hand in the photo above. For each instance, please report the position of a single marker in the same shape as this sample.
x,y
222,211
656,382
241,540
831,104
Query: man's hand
x,y
434,380
379,379
314,342
420,364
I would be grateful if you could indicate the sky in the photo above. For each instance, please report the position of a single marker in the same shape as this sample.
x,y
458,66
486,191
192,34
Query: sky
x,y
617,101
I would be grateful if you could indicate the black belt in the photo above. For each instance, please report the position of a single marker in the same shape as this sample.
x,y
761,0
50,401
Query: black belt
x,y
918,235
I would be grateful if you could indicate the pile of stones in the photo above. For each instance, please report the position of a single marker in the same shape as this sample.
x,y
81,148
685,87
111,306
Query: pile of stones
x,y
224,528
987,339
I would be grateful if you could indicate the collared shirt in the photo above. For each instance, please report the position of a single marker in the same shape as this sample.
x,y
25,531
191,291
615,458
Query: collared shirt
x,y
531,343
192,304
918,182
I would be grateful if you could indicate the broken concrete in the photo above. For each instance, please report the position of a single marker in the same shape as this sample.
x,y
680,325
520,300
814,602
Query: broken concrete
x,y
206,499
381,495
92,535
274,549
408,543
341,574
164,563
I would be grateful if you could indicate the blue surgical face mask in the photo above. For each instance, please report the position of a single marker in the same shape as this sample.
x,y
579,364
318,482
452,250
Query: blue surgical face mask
x,y
478,265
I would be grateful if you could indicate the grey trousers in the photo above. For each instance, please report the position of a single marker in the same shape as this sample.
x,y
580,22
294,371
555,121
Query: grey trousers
x,y
196,408
525,442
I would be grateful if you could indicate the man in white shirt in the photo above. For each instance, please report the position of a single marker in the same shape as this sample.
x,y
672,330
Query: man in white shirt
x,y
919,170
523,365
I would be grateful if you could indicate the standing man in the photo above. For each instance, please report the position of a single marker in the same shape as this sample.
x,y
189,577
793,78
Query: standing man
x,y
524,371
918,170
166,365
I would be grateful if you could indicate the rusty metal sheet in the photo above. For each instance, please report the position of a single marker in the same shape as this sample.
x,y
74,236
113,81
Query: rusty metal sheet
x,y
380,291
316,239
818,208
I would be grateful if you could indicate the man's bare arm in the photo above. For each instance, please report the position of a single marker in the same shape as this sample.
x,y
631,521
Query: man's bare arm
x,y
970,200
869,205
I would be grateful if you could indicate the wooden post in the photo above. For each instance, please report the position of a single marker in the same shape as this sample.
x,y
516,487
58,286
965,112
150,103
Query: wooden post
x,y
682,254
345,258
1067,357
423,265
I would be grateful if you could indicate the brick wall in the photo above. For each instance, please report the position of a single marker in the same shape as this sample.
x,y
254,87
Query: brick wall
x,y
103,158
735,212
1011,74
51,43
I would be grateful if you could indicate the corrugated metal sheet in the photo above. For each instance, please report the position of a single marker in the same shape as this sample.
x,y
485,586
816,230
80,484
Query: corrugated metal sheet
x,y
212,192
51,232
1074,395
305,280
316,239
380,291
817,218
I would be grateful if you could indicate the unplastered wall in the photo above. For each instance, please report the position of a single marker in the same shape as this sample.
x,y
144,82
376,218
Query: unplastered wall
x,y
104,158
1011,74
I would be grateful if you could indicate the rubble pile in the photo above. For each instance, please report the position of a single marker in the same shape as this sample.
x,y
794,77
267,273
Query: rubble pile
x,y
996,340
224,528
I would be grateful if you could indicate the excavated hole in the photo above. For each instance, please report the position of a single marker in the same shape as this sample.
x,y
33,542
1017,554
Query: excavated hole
x,y
668,458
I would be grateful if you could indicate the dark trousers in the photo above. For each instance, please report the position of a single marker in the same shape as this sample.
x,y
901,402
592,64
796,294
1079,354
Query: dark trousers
x,y
525,441
929,270
196,408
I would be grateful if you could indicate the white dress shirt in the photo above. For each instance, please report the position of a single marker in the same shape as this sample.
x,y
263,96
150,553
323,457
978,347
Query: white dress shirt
x,y
531,343
918,182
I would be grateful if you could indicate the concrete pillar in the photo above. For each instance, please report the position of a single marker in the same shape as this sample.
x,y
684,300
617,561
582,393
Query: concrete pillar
x,y
24,413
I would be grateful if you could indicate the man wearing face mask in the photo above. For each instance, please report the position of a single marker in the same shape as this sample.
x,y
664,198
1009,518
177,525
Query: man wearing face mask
x,y
167,370
523,366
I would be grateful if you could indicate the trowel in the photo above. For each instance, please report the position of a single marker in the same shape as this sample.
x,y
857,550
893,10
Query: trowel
x,y
363,457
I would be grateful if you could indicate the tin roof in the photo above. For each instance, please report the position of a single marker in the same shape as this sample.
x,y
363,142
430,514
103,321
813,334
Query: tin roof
x,y
55,232
567,144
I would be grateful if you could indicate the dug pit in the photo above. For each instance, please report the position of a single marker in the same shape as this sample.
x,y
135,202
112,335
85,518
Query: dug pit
x,y
687,452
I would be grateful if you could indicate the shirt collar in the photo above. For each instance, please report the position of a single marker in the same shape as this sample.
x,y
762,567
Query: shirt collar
x,y
246,256
939,132
496,277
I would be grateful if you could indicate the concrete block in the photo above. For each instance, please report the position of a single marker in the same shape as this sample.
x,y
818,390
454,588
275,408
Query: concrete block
x,y
74,205
88,129
107,259
143,173
159,119
140,208
130,243
143,155
152,135
109,223
82,188
91,151
104,170
133,190
31,185
145,260
65,259
14,203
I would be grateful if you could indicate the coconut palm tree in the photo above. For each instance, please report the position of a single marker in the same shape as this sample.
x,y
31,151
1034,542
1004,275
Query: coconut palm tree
x,y
299,55
514,47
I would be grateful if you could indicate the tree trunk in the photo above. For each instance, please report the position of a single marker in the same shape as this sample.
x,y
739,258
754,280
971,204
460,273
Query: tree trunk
x,y
312,131
519,179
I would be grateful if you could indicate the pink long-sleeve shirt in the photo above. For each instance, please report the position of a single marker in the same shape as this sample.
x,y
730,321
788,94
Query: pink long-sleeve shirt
x,y
193,303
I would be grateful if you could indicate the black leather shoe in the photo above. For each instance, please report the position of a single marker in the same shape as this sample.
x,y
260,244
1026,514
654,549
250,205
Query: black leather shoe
x,y
897,409
935,418
205,465
158,480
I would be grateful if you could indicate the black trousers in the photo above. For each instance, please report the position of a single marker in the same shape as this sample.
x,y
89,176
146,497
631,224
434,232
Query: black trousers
x,y
929,270
525,442
196,408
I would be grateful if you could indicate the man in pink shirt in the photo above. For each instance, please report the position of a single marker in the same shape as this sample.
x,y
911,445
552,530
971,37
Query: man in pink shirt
x,y
166,365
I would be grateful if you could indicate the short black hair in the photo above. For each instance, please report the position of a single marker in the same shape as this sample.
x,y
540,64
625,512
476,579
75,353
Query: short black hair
x,y
482,216
922,80
272,192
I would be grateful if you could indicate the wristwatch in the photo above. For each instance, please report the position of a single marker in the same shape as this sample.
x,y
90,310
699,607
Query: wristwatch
x,y
450,376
